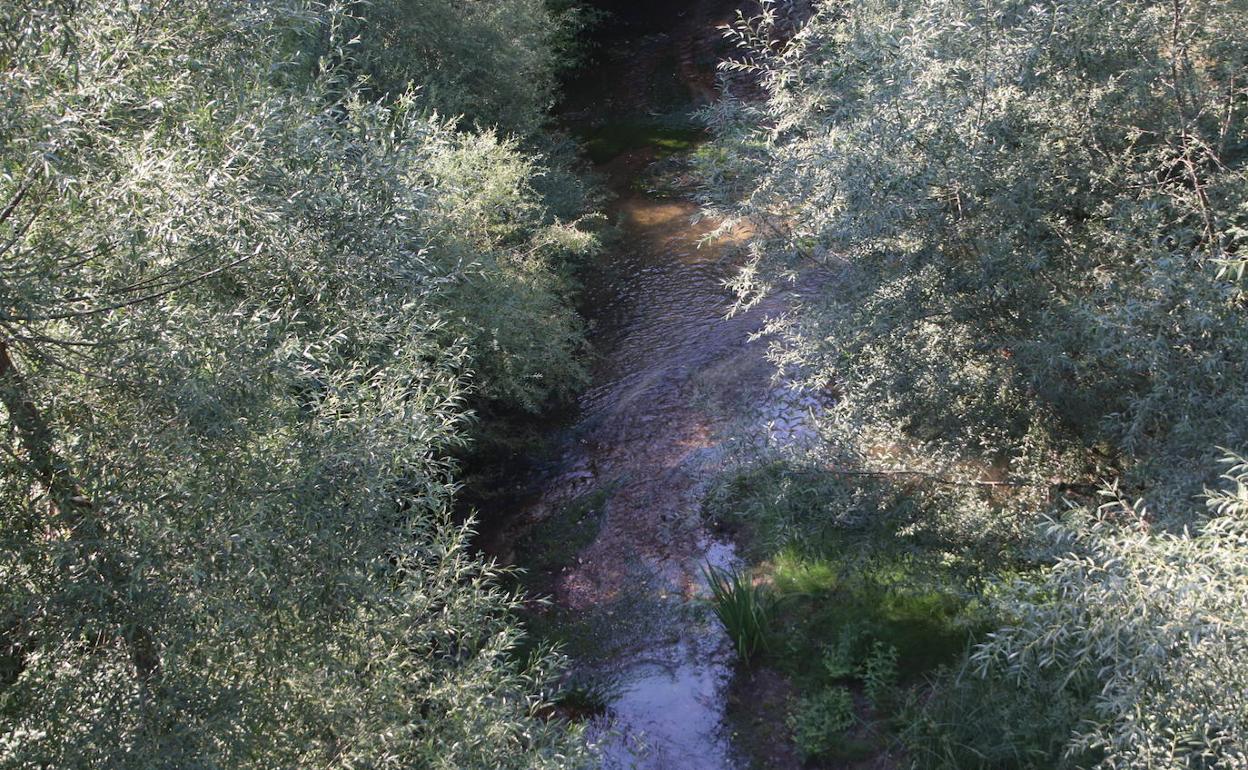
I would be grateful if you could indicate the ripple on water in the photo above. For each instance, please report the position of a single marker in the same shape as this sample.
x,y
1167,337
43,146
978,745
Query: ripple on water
x,y
659,306
668,709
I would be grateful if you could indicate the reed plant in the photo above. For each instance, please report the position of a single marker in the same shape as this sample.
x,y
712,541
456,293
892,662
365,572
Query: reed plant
x,y
745,610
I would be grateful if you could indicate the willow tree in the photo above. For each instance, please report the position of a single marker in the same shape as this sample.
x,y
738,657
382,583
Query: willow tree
x,y
1125,652
1031,218
492,64
1035,213
238,314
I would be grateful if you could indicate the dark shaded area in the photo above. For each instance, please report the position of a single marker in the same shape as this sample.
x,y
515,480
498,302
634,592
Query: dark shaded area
x,y
630,18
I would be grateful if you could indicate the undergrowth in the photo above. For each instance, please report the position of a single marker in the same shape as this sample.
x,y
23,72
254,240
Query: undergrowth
x,y
865,608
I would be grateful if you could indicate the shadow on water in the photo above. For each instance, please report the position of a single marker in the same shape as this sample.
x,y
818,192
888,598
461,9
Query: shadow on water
x,y
659,307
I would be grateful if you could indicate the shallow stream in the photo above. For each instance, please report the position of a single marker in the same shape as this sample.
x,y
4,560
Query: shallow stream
x,y
674,376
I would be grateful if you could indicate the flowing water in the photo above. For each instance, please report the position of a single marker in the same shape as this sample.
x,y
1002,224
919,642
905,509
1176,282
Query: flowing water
x,y
646,433
661,308
673,376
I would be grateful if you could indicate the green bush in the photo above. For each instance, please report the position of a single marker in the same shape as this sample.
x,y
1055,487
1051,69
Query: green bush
x,y
806,507
493,64
840,659
879,675
1128,652
1033,215
1018,234
820,721
244,302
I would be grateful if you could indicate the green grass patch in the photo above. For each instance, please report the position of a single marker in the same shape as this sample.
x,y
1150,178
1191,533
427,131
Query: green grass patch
x,y
826,612
794,575
863,604
840,571
873,627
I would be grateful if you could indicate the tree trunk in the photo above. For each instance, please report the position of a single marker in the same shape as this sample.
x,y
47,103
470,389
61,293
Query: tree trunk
x,y
76,512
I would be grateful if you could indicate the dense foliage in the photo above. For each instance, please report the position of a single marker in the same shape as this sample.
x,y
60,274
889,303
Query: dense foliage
x,y
249,278
1034,215
491,63
1012,235
1127,652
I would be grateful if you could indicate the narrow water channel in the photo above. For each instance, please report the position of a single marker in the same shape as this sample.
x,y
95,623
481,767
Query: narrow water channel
x,y
643,436
672,377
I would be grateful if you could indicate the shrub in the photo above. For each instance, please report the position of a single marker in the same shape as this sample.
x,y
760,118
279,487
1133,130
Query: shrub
x,y
1128,652
840,660
240,316
1016,233
493,64
819,722
879,675
1032,216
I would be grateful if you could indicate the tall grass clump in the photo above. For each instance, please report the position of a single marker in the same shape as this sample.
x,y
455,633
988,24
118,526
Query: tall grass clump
x,y
744,609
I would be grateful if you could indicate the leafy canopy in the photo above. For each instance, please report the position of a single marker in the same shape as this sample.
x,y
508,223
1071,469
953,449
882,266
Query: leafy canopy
x,y
246,292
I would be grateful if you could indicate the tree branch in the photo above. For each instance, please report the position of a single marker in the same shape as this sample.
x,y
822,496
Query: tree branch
x,y
69,501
